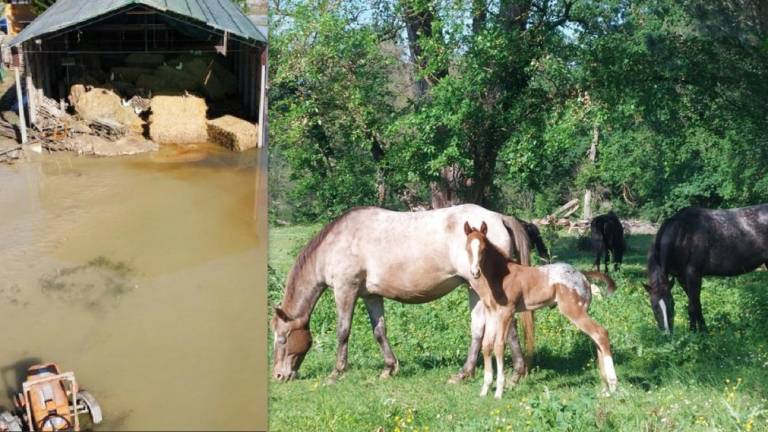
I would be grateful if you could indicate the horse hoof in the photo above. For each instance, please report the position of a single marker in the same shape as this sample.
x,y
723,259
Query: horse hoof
x,y
514,379
333,378
389,372
459,377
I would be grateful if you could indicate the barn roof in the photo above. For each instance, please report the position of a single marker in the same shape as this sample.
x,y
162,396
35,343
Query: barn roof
x,y
222,15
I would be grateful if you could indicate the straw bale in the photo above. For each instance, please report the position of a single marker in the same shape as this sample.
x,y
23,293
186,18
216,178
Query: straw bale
x,y
233,133
144,59
130,74
178,119
101,103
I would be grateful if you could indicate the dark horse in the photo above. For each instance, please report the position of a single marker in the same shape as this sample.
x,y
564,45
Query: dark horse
x,y
534,235
698,242
608,236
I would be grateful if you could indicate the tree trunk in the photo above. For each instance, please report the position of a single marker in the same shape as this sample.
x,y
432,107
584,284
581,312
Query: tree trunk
x,y
419,17
592,156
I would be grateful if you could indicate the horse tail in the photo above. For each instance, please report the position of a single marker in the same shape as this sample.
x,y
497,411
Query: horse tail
x,y
522,244
520,237
592,275
534,236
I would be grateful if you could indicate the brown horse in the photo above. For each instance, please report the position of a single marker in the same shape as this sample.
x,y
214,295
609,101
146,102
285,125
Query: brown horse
x,y
375,254
506,287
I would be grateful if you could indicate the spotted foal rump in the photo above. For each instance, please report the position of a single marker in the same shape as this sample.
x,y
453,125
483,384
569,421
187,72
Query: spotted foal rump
x,y
506,287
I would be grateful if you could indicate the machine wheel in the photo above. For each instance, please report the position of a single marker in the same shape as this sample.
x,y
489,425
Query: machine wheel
x,y
9,422
93,407
49,421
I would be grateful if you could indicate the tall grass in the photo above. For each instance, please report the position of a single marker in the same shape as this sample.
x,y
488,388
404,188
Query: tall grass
x,y
717,381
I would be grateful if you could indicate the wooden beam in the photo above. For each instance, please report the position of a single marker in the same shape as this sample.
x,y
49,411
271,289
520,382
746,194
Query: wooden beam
x,y
19,96
263,130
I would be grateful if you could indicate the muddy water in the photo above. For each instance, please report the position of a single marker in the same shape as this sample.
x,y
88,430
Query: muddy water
x,y
142,275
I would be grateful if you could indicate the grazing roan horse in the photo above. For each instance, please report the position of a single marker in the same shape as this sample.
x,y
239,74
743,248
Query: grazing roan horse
x,y
373,253
697,242
506,287
607,237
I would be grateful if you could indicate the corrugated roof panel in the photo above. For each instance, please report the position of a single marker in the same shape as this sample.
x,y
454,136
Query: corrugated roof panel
x,y
219,14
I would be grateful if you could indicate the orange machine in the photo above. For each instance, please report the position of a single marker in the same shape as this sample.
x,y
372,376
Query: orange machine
x,y
51,401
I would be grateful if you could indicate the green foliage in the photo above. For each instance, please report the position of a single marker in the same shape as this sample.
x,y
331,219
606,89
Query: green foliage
x,y
676,90
40,6
329,102
687,382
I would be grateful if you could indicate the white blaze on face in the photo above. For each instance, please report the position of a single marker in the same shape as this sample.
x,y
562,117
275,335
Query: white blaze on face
x,y
663,307
474,260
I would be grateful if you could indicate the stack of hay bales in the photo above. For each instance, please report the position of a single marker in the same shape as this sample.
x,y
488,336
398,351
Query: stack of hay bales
x,y
178,119
99,104
202,73
233,133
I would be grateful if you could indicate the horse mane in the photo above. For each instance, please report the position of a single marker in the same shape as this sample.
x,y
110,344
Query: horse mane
x,y
307,253
657,258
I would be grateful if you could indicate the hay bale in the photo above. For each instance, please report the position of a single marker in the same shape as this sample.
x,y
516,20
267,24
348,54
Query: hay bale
x,y
233,133
101,103
220,83
178,119
130,74
144,60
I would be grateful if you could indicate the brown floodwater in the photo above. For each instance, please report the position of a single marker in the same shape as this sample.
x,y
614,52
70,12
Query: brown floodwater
x,y
145,276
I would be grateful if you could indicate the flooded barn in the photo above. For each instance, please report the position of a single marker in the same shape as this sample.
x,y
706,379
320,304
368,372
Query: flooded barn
x,y
117,76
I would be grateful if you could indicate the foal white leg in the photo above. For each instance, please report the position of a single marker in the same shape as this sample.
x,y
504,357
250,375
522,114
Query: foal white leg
x,y
499,373
488,342
568,305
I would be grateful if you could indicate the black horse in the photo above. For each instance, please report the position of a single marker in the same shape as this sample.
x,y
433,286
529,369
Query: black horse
x,y
535,236
698,242
608,236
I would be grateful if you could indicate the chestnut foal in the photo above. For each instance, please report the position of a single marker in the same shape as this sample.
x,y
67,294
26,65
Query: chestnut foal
x,y
506,287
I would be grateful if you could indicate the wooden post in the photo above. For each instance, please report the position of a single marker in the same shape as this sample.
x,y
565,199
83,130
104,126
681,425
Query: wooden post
x,y
19,96
263,131
592,155
31,89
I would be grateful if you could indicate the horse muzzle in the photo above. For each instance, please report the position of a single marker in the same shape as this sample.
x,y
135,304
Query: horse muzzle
x,y
284,376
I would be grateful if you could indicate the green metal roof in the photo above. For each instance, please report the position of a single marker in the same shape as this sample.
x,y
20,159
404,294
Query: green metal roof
x,y
221,15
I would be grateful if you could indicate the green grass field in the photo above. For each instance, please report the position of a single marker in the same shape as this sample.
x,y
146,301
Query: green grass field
x,y
717,381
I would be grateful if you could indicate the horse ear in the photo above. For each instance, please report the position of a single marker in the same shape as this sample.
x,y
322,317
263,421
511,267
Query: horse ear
x,y
281,314
484,228
467,228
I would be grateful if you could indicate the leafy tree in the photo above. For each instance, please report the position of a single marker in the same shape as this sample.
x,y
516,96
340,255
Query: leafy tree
x,y
508,97
329,103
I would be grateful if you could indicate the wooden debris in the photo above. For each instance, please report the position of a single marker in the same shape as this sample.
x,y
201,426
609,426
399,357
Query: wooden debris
x,y
10,154
108,129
